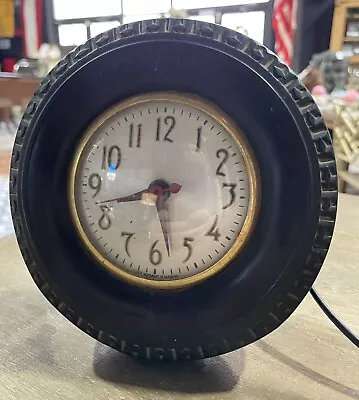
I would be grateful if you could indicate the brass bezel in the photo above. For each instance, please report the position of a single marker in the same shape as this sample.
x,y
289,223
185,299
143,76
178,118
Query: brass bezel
x,y
253,177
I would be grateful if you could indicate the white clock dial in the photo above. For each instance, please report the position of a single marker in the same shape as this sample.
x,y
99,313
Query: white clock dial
x,y
164,190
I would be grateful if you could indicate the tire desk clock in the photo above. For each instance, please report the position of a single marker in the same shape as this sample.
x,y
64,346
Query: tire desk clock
x,y
173,189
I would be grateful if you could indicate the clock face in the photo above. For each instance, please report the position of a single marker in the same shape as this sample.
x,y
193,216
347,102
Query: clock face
x,y
164,190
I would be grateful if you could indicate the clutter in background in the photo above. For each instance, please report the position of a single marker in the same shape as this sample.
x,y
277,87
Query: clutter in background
x,y
334,85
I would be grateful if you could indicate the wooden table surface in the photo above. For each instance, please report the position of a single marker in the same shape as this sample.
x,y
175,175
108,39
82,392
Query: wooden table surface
x,y
43,356
17,88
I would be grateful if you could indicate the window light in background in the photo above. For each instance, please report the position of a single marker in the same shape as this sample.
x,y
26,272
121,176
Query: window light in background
x,y
188,4
133,18
139,7
72,35
204,18
68,9
99,27
250,23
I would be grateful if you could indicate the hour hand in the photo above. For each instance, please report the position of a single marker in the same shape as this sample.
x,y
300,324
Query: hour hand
x,y
131,197
154,188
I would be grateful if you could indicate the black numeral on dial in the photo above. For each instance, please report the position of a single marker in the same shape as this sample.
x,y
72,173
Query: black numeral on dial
x,y
155,254
213,230
127,241
187,243
111,158
95,183
139,132
232,187
170,123
105,221
223,155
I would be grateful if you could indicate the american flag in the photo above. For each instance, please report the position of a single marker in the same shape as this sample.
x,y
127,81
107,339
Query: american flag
x,y
284,24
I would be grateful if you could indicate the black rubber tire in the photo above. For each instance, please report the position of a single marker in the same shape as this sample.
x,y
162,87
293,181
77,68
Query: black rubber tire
x,y
264,285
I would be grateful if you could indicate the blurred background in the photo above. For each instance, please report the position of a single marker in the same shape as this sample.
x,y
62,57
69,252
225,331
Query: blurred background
x,y
319,39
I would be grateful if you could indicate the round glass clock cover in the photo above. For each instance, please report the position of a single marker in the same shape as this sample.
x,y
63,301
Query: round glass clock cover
x,y
164,188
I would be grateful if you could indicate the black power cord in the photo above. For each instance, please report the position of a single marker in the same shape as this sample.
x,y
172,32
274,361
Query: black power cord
x,y
336,321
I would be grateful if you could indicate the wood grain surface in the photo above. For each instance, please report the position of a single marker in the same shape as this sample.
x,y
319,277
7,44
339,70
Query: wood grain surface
x,y
43,356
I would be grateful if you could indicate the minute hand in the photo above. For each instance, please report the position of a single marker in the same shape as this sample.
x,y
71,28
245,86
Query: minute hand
x,y
162,210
